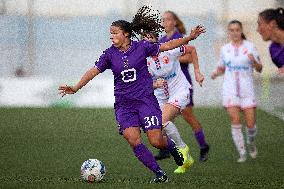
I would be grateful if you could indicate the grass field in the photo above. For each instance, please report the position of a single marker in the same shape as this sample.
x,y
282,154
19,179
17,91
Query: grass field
x,y
44,148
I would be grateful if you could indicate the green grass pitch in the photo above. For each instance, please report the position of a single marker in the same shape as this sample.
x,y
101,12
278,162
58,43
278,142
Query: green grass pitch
x,y
44,148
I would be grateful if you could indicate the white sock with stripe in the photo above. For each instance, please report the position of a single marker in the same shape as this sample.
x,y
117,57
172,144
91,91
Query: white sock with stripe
x,y
238,138
172,132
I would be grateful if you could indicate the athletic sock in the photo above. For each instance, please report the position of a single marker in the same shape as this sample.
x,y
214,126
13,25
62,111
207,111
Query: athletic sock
x,y
172,132
200,138
251,133
144,155
238,138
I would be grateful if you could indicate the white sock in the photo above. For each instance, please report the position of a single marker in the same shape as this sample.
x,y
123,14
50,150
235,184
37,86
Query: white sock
x,y
251,133
238,138
172,132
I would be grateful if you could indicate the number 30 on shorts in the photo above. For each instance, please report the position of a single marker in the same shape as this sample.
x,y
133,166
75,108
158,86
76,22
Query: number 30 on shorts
x,y
149,121
128,75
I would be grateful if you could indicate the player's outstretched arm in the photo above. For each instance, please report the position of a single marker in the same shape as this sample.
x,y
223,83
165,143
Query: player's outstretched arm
x,y
195,32
89,75
219,71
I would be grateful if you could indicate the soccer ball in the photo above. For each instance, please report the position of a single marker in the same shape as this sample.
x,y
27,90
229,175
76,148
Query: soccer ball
x,y
93,170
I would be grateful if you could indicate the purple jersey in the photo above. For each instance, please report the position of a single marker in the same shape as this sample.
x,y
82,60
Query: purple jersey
x,y
131,76
277,54
184,67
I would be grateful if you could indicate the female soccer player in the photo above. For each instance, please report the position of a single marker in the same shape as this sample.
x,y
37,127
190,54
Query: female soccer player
x,y
271,27
237,60
174,29
171,91
135,103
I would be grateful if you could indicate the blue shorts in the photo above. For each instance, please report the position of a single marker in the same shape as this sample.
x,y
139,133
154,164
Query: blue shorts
x,y
144,112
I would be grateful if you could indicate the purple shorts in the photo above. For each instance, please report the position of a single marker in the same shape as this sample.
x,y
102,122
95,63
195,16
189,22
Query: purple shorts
x,y
144,112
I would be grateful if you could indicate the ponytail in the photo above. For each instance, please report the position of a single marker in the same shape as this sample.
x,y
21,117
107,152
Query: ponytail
x,y
243,36
145,20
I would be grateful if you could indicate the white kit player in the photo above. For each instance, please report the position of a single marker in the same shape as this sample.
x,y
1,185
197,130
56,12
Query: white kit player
x,y
238,89
172,91
238,59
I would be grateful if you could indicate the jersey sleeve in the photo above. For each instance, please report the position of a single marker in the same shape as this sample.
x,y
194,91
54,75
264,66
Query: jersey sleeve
x,y
103,62
151,49
177,51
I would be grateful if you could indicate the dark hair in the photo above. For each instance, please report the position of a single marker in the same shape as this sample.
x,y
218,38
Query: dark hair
x,y
145,20
180,25
274,14
154,34
241,25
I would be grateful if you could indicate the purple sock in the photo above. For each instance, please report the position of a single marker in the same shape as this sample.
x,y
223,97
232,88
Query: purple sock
x,y
147,158
200,138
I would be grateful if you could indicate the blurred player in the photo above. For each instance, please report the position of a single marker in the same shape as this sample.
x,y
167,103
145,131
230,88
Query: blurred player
x,y
172,92
174,29
271,27
237,60
135,103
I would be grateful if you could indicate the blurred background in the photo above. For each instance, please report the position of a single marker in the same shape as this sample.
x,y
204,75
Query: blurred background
x,y
45,43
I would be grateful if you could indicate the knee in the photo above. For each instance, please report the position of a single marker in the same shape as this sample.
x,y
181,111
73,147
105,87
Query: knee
x,y
235,120
133,140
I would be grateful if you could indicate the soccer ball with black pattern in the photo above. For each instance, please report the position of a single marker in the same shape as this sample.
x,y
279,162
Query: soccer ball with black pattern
x,y
93,170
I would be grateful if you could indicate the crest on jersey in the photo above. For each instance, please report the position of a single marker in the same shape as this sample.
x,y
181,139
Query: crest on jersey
x,y
166,59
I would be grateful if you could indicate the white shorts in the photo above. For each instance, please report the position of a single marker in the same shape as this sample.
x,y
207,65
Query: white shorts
x,y
242,102
179,99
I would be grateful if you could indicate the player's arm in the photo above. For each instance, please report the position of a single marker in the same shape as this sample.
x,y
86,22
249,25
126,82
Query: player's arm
x,y
219,71
191,57
195,32
257,66
89,75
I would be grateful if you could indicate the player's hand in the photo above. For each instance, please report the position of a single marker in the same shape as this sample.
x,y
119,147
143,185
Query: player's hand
x,y
64,90
159,83
196,31
199,77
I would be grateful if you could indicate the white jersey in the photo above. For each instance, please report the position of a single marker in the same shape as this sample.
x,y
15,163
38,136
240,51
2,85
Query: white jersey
x,y
238,81
167,66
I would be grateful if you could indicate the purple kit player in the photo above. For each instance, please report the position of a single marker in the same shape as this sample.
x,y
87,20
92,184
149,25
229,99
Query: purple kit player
x,y
174,29
135,104
271,27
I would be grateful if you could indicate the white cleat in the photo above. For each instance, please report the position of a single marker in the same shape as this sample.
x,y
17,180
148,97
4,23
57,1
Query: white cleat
x,y
252,151
242,159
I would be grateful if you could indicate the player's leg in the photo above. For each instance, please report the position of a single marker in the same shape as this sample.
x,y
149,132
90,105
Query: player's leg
x,y
159,141
151,121
236,130
192,120
169,112
251,130
143,154
162,153
128,122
